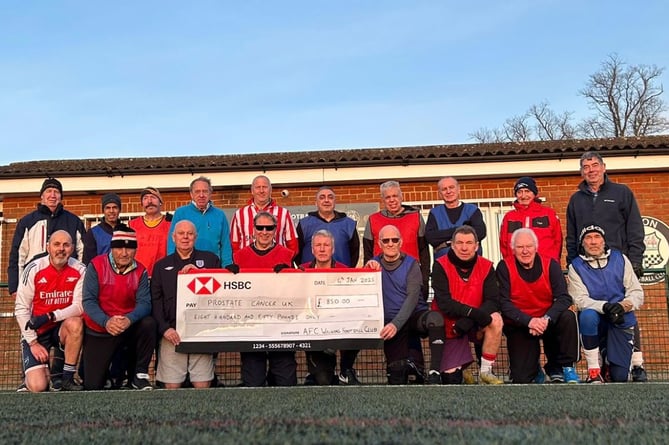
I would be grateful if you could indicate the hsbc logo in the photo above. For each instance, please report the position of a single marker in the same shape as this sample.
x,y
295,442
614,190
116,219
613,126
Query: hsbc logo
x,y
203,286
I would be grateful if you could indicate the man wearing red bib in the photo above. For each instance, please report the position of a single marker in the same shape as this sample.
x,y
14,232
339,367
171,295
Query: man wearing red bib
x,y
535,305
466,293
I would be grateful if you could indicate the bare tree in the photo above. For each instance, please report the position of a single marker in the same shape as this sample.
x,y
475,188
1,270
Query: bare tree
x,y
550,126
626,99
540,122
486,136
517,128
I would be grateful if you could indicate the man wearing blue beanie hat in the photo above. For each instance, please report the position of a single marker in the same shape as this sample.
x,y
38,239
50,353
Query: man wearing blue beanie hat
x,y
96,241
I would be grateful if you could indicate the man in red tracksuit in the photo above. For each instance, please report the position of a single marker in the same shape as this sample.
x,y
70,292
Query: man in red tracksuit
x,y
529,213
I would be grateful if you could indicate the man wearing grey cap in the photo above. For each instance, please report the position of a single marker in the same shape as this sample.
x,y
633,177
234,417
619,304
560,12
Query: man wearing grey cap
x,y
97,239
152,229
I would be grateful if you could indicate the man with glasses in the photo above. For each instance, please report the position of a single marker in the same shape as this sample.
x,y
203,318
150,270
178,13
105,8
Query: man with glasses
x,y
404,310
210,221
615,209
241,234
409,222
265,253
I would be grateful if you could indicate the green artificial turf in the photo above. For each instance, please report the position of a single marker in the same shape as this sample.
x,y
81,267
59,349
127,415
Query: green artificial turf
x,y
555,414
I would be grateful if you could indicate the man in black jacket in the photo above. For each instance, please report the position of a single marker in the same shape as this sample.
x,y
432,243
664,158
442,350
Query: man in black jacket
x,y
615,209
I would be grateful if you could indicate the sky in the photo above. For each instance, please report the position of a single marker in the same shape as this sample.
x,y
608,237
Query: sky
x,y
92,79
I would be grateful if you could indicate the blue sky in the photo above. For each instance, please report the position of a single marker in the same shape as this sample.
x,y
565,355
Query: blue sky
x,y
93,79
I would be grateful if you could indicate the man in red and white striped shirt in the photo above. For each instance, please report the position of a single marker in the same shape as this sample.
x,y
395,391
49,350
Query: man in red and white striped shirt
x,y
241,230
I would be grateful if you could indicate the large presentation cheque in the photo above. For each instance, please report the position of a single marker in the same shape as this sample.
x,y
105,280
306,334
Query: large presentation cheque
x,y
267,311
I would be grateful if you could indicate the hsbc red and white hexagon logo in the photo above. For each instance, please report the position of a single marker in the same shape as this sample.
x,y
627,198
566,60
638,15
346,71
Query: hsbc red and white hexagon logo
x,y
203,285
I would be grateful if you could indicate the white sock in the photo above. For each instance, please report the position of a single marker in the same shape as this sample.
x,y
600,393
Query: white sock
x,y
486,365
637,358
592,358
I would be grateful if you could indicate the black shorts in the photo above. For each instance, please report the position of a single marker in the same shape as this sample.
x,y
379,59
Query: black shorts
x,y
49,339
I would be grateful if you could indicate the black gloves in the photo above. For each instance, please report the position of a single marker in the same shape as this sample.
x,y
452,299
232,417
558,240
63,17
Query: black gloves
x,y
37,322
614,312
279,267
234,268
481,318
463,326
638,270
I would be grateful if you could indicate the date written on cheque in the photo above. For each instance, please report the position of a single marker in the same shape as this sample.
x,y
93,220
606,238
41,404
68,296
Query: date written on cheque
x,y
345,280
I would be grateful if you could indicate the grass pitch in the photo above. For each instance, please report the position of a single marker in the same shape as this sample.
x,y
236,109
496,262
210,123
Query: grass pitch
x,y
555,414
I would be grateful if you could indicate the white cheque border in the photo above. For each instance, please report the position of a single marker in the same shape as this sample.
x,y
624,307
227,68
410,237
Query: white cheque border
x,y
310,310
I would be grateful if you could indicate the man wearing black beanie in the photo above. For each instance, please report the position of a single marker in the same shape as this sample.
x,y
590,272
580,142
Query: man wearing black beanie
x,y
33,230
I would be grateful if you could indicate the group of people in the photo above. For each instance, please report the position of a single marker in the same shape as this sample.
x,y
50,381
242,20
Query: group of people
x,y
111,291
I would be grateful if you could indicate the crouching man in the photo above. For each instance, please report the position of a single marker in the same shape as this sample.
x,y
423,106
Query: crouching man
x,y
466,293
536,308
117,311
606,292
404,310
48,311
